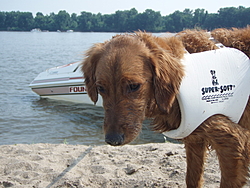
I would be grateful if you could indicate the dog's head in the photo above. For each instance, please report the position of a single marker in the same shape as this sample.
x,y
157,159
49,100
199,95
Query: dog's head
x,y
132,73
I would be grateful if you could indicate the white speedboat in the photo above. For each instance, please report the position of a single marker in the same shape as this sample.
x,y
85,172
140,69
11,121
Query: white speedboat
x,y
36,30
62,83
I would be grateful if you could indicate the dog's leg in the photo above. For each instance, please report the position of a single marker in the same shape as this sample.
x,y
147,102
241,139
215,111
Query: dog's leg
x,y
233,156
231,143
196,154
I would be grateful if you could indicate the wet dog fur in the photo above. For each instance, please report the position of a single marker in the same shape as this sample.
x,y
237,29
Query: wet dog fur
x,y
138,75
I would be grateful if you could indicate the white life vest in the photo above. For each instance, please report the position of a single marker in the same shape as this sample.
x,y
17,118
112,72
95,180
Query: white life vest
x,y
215,82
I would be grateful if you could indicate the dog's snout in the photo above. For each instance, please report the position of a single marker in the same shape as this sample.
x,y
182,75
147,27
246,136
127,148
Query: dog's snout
x,y
114,139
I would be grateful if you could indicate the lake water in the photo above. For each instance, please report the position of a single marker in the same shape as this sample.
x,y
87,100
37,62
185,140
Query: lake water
x,y
27,119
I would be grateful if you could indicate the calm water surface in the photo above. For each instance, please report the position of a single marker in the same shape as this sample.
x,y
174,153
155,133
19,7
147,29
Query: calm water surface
x,y
24,117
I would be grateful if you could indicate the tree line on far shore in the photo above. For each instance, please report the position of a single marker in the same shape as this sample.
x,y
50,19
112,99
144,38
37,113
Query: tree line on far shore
x,y
127,20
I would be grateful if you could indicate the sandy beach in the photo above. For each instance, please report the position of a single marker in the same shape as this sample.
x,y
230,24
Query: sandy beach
x,y
62,165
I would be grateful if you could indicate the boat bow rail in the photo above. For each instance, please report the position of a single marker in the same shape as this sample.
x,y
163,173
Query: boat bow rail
x,y
65,75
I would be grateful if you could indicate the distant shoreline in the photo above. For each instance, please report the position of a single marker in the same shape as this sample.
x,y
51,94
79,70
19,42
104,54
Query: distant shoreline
x,y
127,20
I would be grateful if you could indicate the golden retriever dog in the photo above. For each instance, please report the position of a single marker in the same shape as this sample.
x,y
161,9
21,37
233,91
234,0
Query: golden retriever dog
x,y
138,75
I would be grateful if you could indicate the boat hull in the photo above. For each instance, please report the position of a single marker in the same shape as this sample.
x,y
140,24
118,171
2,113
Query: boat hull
x,y
76,94
62,83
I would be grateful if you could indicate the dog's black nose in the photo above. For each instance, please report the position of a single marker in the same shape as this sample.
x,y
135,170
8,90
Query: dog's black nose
x,y
114,139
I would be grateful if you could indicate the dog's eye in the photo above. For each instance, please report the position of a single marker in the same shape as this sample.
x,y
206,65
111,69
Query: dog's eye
x,y
134,87
100,89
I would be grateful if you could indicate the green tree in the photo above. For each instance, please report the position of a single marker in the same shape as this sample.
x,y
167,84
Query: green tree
x,y
2,21
179,21
199,17
228,16
11,21
51,22
120,20
187,16
62,20
244,16
108,22
74,21
168,24
149,20
40,21
211,22
25,21
97,22
131,21
85,21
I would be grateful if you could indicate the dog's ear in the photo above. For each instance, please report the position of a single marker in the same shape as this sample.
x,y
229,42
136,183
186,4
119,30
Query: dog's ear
x,y
166,68
167,76
89,67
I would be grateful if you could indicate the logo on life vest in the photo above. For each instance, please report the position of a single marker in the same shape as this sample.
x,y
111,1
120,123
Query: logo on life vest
x,y
214,78
217,93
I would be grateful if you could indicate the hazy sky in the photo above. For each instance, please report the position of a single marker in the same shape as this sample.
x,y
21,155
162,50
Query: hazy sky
x,y
110,6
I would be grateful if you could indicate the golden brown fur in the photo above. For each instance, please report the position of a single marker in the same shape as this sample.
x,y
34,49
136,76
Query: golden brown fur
x,y
196,41
235,38
138,75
